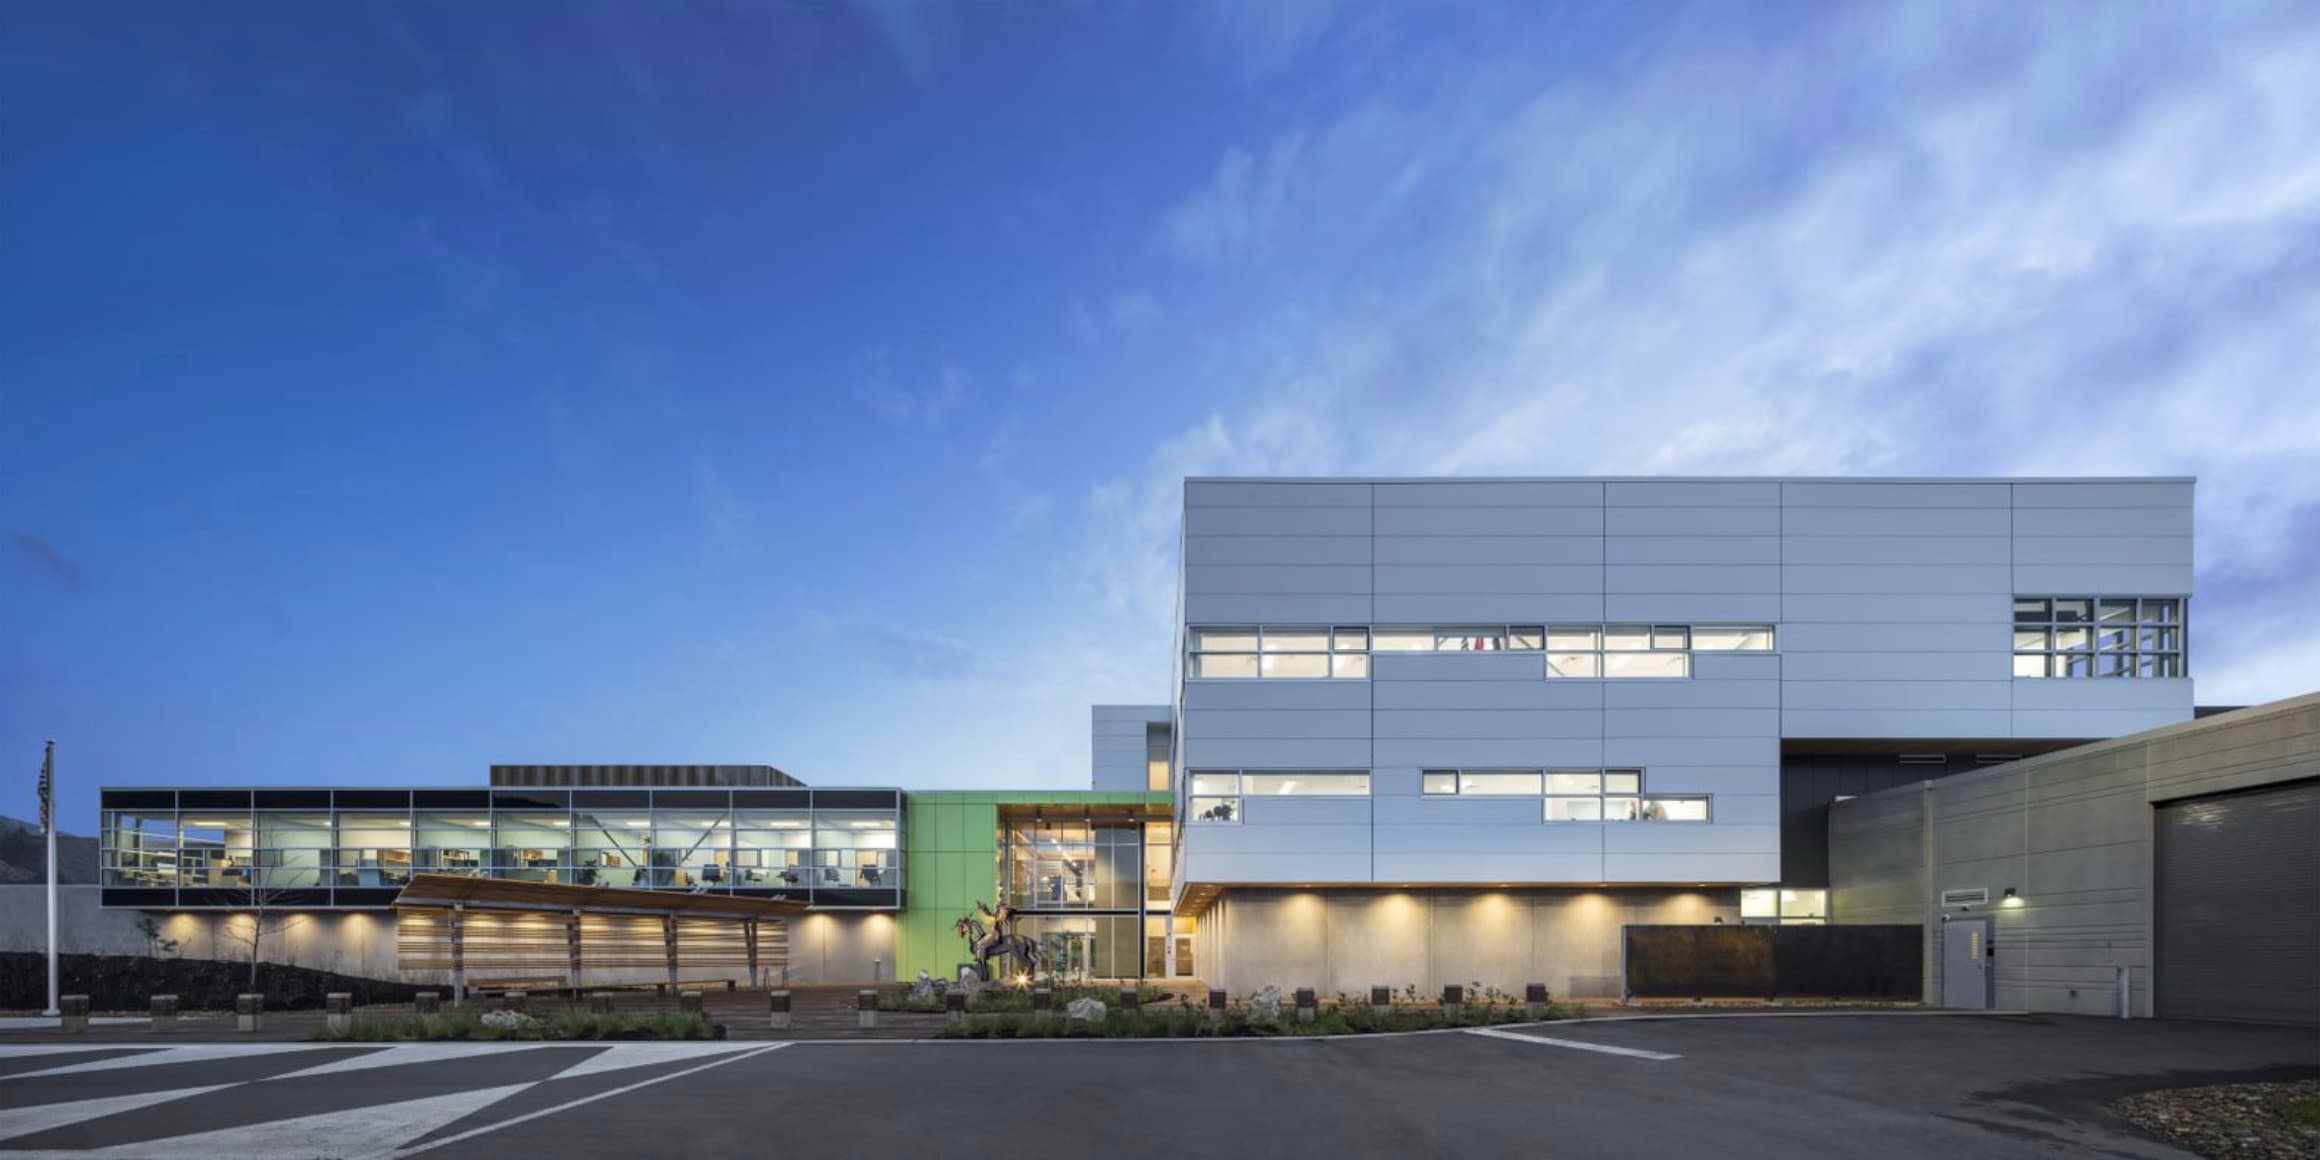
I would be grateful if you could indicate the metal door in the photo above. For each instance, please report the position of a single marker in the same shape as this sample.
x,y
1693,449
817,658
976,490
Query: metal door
x,y
1965,963
2238,906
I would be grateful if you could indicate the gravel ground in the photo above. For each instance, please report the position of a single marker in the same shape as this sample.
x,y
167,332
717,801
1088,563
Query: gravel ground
x,y
2231,1122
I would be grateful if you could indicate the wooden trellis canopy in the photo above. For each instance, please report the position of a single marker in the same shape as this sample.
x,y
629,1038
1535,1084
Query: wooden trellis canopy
x,y
504,929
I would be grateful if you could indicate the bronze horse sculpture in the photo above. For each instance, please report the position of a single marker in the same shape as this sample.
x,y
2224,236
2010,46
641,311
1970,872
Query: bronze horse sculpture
x,y
1000,939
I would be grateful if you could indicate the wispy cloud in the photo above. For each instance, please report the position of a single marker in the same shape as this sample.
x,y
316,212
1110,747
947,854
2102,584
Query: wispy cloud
x,y
879,386
39,557
1899,239
1024,504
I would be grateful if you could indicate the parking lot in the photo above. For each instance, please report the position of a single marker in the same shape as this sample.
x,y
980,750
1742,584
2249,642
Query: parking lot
x,y
1802,1085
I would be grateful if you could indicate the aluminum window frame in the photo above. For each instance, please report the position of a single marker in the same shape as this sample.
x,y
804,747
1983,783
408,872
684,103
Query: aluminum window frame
x,y
2051,660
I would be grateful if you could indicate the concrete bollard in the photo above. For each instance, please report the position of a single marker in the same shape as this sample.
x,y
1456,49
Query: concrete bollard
x,y
338,1011
428,1006
249,1012
1381,1001
688,1002
866,1008
1127,998
73,1013
164,1012
777,1010
1042,1000
1216,1004
515,1001
600,1002
1308,1005
1535,998
1453,1001
955,1005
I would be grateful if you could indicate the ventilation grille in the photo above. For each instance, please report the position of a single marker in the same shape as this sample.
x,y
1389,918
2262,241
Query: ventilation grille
x,y
1973,897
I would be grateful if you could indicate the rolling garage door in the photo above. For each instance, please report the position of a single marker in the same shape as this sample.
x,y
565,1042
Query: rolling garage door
x,y
2238,880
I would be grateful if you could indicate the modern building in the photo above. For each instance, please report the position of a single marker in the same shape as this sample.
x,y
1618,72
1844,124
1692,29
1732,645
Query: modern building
x,y
1420,731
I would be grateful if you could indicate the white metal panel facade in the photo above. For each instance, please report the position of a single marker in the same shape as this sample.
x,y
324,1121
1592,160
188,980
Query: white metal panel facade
x,y
1892,602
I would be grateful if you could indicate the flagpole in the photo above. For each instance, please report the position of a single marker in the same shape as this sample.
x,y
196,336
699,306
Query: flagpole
x,y
48,822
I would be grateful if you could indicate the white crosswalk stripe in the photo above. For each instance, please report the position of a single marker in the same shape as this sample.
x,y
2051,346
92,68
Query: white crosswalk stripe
x,y
156,1057
620,1056
398,1055
16,1122
365,1131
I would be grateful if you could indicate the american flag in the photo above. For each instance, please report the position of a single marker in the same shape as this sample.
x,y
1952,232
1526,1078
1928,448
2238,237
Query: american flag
x,y
48,787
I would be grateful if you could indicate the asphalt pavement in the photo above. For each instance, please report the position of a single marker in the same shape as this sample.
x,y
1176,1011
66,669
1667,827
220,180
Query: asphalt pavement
x,y
1897,1085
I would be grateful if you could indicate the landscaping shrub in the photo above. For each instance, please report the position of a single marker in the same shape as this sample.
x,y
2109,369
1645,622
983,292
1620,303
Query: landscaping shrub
x,y
569,1025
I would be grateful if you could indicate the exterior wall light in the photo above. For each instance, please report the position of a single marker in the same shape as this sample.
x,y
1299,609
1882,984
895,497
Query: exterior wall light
x,y
2010,899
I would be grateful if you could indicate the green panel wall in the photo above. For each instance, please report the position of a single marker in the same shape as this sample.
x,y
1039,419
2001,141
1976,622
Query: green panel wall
x,y
951,860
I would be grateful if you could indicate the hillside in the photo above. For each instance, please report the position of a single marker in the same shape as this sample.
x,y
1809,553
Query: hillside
x,y
22,860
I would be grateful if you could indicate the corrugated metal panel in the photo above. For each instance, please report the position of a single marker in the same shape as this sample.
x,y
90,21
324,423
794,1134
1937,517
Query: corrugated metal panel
x,y
2238,907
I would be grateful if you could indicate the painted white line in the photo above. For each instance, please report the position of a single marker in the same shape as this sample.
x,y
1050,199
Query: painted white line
x,y
1797,1015
374,1128
401,1054
1605,1048
568,1105
42,1117
621,1056
159,1056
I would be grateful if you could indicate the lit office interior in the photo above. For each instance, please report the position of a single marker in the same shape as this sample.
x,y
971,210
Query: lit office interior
x,y
1094,892
357,847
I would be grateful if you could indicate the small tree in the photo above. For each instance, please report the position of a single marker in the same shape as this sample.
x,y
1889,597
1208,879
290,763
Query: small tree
x,y
155,945
265,918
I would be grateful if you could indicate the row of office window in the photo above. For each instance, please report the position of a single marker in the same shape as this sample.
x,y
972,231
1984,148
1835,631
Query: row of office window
x,y
2098,636
1583,651
1565,795
712,849
1572,795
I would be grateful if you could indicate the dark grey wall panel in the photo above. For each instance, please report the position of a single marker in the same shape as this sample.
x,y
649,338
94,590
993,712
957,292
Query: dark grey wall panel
x,y
2238,906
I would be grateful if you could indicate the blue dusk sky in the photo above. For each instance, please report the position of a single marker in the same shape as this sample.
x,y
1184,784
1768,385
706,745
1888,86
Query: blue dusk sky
x,y
387,390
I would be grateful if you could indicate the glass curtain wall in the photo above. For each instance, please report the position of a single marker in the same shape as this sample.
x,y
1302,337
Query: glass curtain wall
x,y
1090,891
772,848
684,845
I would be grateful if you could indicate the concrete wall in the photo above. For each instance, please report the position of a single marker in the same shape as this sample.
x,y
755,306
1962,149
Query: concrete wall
x,y
2071,832
1351,940
836,947
1116,745
1893,601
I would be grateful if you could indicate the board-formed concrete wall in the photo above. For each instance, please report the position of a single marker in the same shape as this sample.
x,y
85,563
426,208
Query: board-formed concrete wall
x,y
1350,940
2071,833
829,947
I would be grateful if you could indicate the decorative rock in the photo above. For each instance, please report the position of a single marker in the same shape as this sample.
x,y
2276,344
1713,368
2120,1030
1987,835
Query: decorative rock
x,y
249,1012
777,1007
1085,1010
1381,1001
338,1011
688,1002
164,1012
1308,1005
73,1012
923,989
866,1008
1265,1005
1535,998
510,1021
